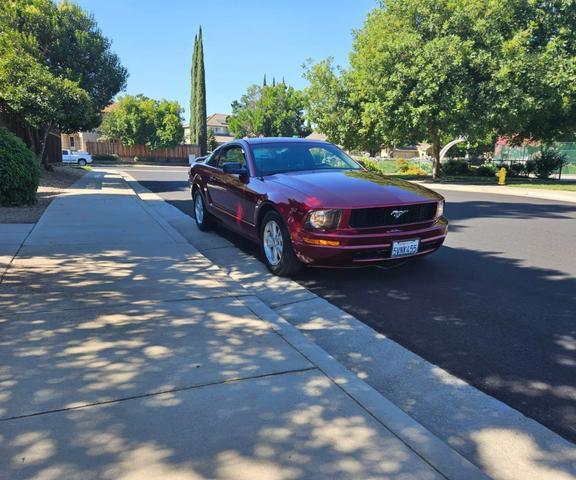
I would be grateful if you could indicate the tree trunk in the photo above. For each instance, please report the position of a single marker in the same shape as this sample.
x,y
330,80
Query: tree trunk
x,y
436,147
42,156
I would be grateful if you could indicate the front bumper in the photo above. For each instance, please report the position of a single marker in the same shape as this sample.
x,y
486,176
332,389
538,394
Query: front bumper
x,y
371,247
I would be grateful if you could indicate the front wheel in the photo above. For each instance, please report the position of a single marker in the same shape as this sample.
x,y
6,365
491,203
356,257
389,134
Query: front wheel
x,y
276,245
203,218
82,162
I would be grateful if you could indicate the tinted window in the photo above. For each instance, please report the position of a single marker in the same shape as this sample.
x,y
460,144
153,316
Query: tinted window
x,y
212,160
270,158
232,155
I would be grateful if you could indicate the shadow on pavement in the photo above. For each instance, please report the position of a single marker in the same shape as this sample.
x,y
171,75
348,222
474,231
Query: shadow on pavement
x,y
484,336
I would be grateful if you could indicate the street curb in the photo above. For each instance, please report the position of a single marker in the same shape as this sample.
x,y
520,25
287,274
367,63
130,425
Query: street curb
x,y
424,443
139,190
558,196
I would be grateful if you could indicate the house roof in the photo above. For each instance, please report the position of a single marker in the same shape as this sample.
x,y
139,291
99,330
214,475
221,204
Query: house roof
x,y
317,136
217,120
110,108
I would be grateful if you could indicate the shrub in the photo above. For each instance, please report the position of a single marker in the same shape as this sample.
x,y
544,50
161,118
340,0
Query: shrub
x,y
516,170
414,170
548,161
105,157
19,171
485,171
455,168
530,166
402,165
369,165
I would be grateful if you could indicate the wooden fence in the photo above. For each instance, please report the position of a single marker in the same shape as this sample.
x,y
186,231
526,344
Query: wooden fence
x,y
127,154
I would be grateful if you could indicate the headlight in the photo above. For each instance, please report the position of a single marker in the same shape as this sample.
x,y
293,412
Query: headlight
x,y
324,219
440,209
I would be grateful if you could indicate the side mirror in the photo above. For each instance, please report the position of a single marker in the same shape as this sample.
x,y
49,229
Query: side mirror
x,y
234,168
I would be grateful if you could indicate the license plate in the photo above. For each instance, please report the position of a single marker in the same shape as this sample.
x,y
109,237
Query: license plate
x,y
405,247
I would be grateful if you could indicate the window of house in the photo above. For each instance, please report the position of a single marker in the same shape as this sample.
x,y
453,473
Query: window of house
x,y
72,142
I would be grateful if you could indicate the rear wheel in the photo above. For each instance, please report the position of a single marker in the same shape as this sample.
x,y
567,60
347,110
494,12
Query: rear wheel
x,y
204,220
82,162
276,246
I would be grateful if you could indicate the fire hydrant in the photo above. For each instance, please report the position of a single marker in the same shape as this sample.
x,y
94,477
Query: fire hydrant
x,y
502,176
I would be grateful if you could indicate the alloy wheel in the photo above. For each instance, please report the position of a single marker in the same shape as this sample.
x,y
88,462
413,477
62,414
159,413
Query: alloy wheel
x,y
273,242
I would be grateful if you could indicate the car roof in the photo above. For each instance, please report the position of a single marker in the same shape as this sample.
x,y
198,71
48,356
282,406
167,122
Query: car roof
x,y
260,140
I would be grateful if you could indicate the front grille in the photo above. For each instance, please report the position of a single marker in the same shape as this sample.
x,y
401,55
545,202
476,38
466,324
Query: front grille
x,y
391,216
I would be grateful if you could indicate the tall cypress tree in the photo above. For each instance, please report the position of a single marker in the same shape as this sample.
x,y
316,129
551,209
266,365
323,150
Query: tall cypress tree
x,y
201,114
193,93
198,114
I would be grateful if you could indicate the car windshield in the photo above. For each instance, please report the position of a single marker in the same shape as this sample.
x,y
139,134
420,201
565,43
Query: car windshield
x,y
279,157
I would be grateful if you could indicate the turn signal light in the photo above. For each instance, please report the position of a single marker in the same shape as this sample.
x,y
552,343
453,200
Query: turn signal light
x,y
323,243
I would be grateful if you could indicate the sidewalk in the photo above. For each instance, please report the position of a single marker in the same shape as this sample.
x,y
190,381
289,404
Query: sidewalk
x,y
126,354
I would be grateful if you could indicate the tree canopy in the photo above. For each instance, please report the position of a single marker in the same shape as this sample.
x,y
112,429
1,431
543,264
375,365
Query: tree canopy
x,y
56,68
198,112
431,70
275,110
139,120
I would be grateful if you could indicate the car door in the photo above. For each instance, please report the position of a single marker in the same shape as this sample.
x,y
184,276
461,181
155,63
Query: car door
x,y
227,189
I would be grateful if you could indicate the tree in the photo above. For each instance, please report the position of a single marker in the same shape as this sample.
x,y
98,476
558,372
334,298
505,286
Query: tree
x,y
212,142
57,69
333,110
437,69
139,120
198,113
272,111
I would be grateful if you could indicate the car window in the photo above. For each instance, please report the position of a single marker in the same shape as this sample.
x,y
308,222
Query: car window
x,y
233,155
212,160
64,152
277,157
324,158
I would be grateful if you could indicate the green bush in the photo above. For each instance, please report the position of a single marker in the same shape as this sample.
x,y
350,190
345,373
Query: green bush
x,y
516,170
455,168
485,171
369,165
19,171
402,165
105,157
530,166
548,161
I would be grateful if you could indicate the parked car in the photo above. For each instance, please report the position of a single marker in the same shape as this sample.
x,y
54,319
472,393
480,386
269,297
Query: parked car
x,y
308,203
79,158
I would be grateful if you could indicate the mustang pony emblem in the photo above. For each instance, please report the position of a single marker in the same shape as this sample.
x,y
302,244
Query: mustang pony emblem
x,y
398,213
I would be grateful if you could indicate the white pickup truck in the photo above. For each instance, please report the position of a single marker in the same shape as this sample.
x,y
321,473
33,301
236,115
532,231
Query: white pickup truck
x,y
79,158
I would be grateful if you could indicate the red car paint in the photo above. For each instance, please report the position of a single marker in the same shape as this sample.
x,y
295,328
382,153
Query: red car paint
x,y
240,201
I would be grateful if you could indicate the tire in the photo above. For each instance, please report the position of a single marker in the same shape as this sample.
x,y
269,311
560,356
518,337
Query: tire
x,y
82,162
204,220
276,247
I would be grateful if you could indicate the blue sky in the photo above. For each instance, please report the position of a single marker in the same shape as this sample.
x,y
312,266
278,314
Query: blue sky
x,y
243,39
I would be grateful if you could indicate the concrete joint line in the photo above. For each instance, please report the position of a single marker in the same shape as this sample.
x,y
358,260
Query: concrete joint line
x,y
440,456
159,392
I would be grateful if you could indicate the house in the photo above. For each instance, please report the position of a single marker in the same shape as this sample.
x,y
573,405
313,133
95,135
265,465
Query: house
x,y
218,124
317,136
77,141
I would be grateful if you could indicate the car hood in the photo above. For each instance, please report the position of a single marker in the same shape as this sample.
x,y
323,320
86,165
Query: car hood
x,y
353,189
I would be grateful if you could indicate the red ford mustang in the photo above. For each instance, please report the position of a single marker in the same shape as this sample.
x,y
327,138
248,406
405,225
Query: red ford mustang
x,y
307,202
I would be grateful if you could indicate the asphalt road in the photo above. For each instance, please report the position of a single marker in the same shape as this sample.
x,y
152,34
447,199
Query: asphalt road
x,y
496,306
